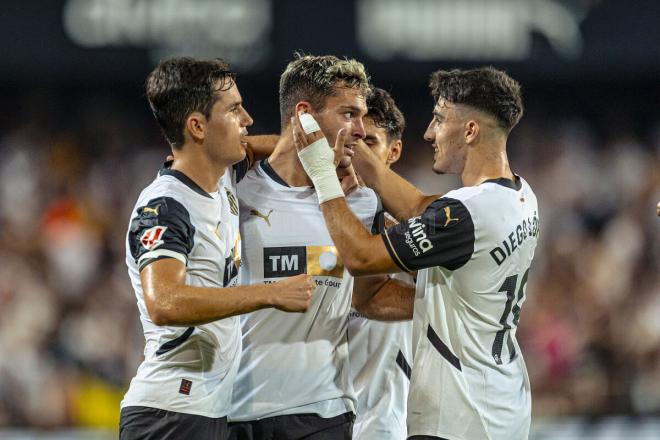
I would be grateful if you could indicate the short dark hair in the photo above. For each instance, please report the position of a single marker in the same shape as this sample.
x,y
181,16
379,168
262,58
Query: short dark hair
x,y
180,86
385,113
486,89
314,78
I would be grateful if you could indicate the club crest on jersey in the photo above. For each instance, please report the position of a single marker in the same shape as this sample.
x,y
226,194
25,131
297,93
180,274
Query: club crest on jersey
x,y
151,238
416,237
233,203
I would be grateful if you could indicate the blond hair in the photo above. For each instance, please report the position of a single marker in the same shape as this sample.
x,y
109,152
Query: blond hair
x,y
314,78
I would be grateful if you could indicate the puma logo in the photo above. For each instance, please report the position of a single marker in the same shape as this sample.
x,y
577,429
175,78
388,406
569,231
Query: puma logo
x,y
154,211
260,215
448,214
216,230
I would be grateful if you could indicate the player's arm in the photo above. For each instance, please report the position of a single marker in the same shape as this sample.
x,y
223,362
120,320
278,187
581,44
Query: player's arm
x,y
363,253
170,301
160,238
400,198
262,145
383,298
443,235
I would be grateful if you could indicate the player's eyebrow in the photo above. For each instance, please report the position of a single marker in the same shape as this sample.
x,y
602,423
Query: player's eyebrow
x,y
352,108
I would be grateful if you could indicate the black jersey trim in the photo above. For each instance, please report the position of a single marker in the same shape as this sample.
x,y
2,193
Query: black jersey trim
x,y
174,343
444,351
241,168
392,252
378,224
265,166
403,364
515,184
167,171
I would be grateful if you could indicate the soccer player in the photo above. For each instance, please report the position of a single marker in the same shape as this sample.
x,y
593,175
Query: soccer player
x,y
473,248
182,252
380,352
294,379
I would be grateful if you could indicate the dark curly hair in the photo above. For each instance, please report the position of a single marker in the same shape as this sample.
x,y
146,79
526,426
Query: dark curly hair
x,y
180,86
385,113
486,89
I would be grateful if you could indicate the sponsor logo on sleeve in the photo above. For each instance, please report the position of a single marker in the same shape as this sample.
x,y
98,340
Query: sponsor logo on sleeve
x,y
151,238
154,211
416,237
448,215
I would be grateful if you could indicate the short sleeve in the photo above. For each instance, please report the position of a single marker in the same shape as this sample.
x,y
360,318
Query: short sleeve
x,y
161,229
442,236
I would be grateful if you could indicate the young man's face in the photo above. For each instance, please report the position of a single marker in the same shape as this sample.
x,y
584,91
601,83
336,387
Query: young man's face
x,y
377,140
227,127
344,110
446,133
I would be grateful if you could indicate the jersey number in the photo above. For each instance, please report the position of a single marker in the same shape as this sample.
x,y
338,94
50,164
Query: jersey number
x,y
509,287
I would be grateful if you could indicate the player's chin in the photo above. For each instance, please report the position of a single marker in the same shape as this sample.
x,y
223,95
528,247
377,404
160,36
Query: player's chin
x,y
439,168
345,161
240,152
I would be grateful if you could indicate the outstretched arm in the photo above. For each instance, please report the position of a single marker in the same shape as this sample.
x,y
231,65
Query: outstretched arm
x,y
400,198
442,235
170,301
383,298
262,145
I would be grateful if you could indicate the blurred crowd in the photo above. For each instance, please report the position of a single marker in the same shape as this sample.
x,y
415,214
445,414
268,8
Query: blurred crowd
x,y
70,336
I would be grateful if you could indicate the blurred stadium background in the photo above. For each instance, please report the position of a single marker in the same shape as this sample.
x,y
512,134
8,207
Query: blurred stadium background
x,y
77,143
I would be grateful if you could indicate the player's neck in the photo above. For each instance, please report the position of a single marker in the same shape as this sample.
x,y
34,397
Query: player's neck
x,y
285,162
485,164
200,169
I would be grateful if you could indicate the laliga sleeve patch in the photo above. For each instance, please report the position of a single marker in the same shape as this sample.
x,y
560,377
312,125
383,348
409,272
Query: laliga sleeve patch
x,y
161,229
151,238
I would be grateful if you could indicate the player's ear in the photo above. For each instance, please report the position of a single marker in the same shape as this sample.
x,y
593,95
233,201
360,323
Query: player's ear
x,y
304,106
395,151
196,126
471,131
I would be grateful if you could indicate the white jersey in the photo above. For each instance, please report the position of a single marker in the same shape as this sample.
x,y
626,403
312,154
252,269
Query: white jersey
x,y
475,246
294,363
380,355
187,370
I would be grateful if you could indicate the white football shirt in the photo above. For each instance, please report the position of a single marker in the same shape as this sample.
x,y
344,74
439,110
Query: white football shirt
x,y
380,355
473,248
294,363
188,370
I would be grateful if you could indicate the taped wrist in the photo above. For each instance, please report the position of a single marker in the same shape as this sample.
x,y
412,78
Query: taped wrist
x,y
318,161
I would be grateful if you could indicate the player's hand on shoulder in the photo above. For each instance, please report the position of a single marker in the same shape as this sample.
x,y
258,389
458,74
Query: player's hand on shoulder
x,y
293,294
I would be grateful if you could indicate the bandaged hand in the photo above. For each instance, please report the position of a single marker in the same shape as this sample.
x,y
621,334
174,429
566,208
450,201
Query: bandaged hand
x,y
317,157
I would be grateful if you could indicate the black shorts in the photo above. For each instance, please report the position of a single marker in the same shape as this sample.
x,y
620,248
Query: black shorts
x,y
144,423
295,427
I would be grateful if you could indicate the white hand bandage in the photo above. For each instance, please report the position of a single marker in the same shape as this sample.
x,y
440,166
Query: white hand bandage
x,y
308,123
318,160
